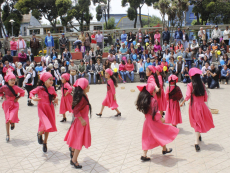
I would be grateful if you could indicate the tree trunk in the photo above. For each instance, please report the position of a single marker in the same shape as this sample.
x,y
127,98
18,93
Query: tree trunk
x,y
108,9
135,21
140,17
197,18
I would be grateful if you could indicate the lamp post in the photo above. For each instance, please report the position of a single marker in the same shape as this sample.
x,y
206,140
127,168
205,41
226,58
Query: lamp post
x,y
12,22
103,7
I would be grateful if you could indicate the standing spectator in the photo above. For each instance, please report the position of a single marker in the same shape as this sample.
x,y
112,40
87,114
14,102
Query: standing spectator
x,y
81,69
213,77
91,71
129,70
226,35
21,44
113,66
99,53
123,52
178,36
49,41
225,74
67,55
204,69
166,35
63,43
188,58
13,47
93,42
157,36
185,39
30,56
6,44
194,48
99,69
130,38
34,45
123,36
202,35
87,57
216,34
122,71
99,39
22,57
146,38
87,41
140,37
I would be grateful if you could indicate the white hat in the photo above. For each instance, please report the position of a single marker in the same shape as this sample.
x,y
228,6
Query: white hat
x,y
63,69
32,65
50,65
56,65
28,69
19,64
201,55
138,44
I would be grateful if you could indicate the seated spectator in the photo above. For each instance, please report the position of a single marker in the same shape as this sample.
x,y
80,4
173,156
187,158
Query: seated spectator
x,y
99,53
93,55
66,55
185,39
199,62
225,58
166,55
205,60
91,71
178,46
157,46
213,77
115,65
147,63
141,73
171,65
113,51
111,57
144,57
152,54
179,67
6,67
204,69
150,47
157,62
159,55
157,36
106,65
117,45
134,58
131,48
22,57
225,74
8,58
139,49
172,47
29,56
54,53
223,47
123,53
164,63
122,71
172,54
209,55
215,47
188,58
99,69
87,57
186,78
203,48
165,47
129,70
194,48
130,39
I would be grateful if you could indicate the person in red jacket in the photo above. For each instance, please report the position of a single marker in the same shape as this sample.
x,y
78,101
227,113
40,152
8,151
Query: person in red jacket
x,y
129,70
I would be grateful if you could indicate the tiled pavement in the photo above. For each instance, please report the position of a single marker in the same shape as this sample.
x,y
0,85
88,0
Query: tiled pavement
x,y
116,142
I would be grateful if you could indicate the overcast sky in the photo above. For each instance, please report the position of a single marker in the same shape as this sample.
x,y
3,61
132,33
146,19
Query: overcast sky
x,y
116,8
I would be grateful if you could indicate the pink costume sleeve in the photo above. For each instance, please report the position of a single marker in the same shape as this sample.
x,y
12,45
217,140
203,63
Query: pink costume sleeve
x,y
80,106
167,93
67,85
160,81
111,84
4,69
53,92
1,91
188,92
19,90
34,91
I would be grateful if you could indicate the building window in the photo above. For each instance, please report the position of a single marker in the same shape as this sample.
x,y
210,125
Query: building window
x,y
35,31
192,16
97,27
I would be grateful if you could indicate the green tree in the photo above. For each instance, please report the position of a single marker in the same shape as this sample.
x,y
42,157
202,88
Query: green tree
x,y
63,6
110,24
163,6
152,21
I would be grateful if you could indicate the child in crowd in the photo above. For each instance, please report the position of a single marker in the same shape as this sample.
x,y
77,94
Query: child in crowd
x,y
35,75
66,99
134,59
154,133
47,98
173,96
10,105
199,114
83,49
186,75
79,134
28,83
110,99
57,70
20,73
54,74
139,49
122,71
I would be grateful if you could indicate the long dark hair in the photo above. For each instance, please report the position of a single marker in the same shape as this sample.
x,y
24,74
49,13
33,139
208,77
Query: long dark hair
x,y
144,101
114,80
158,84
198,87
77,96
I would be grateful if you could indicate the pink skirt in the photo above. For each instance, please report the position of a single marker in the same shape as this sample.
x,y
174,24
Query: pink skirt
x,y
109,101
11,111
173,114
66,104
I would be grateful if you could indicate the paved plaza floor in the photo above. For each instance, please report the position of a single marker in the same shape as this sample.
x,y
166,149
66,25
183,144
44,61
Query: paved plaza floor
x,y
116,142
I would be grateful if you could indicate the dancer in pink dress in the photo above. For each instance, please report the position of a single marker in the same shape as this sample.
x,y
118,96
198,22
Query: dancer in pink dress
x,y
173,96
47,98
154,133
10,105
79,132
66,99
199,115
110,99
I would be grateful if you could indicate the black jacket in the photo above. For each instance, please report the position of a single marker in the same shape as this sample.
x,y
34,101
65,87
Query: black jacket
x,y
8,58
88,68
32,57
166,35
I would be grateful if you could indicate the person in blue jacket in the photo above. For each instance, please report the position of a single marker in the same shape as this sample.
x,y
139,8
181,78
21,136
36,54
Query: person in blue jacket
x,y
123,36
178,35
49,41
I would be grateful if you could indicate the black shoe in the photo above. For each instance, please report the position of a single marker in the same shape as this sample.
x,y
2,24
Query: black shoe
x,y
40,140
63,120
7,138
30,103
12,126
197,147
167,151
145,158
70,149
99,115
74,164
200,139
119,114
44,148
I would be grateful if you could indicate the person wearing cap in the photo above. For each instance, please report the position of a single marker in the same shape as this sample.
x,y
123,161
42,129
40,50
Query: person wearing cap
x,y
99,39
49,41
63,43
166,35
21,44
202,35
34,45
10,105
216,34
199,114
123,52
47,99
93,42
213,77
179,67
140,37
6,44
178,36
194,48
22,57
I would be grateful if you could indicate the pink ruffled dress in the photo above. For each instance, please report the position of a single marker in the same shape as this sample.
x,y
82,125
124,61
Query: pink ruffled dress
x,y
109,99
66,101
46,112
78,135
155,133
9,106
173,113
199,115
